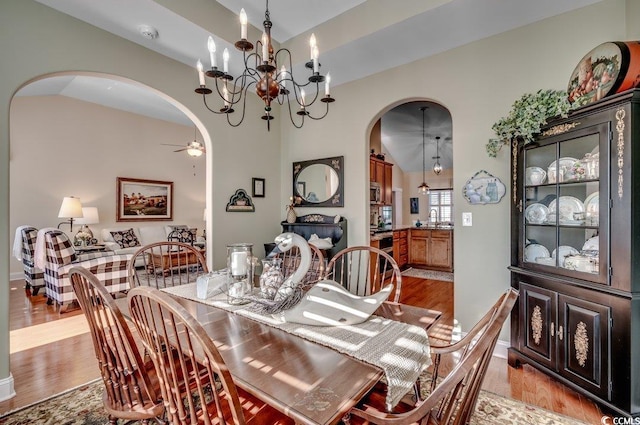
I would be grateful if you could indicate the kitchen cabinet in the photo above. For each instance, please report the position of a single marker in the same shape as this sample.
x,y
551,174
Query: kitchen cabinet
x,y
572,252
401,247
381,172
431,248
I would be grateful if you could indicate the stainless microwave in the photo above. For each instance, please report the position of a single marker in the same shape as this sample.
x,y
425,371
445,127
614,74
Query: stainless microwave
x,y
375,193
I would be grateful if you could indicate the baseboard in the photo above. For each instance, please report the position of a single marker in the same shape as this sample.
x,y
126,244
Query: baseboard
x,y
16,276
500,350
6,388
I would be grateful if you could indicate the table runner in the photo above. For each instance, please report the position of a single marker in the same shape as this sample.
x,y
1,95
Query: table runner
x,y
400,350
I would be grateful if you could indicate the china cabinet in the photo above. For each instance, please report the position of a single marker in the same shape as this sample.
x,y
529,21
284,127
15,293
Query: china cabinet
x,y
572,254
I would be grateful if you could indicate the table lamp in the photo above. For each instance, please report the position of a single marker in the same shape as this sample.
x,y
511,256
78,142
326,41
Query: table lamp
x,y
70,208
89,216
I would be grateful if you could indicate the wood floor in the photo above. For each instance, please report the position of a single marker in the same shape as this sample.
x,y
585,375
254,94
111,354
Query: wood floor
x,y
51,367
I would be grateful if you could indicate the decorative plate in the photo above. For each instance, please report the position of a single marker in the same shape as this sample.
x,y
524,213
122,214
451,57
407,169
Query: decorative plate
x,y
564,251
592,244
592,204
533,251
565,172
536,213
535,176
609,68
568,206
547,261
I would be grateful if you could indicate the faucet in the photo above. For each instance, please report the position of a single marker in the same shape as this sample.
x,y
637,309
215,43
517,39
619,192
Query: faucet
x,y
433,210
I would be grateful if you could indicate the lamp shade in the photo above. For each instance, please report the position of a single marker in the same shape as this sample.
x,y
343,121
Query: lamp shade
x,y
70,208
89,216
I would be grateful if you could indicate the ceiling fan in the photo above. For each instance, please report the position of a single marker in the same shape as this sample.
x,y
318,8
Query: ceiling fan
x,y
193,148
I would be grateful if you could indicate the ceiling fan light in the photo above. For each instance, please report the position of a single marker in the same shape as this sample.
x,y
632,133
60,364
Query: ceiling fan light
x,y
194,151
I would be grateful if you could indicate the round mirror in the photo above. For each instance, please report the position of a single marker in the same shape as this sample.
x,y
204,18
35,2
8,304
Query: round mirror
x,y
317,183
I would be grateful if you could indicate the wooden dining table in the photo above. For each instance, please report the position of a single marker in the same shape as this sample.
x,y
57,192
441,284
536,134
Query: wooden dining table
x,y
309,382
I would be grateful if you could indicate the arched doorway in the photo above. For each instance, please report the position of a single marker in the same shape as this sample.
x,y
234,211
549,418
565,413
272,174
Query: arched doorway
x,y
415,137
61,145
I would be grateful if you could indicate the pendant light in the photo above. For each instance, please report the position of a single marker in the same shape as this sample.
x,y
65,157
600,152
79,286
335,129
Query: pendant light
x,y
423,189
437,168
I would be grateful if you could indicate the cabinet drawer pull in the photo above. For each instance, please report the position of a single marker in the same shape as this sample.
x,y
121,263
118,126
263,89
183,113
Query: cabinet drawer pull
x,y
560,333
553,326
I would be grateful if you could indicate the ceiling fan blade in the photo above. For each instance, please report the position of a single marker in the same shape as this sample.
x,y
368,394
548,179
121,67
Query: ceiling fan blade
x,y
169,144
181,150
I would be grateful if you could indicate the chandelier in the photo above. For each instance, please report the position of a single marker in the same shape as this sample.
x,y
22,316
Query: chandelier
x,y
437,168
261,71
423,189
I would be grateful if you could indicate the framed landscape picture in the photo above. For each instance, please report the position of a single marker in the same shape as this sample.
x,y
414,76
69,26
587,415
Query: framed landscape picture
x,y
143,200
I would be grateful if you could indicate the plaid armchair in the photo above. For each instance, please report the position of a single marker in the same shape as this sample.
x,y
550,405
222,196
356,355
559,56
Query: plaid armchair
x,y
110,269
33,276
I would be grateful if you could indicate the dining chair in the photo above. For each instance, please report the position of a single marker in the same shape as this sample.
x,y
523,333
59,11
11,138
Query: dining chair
x,y
212,396
452,397
365,270
131,390
290,261
166,264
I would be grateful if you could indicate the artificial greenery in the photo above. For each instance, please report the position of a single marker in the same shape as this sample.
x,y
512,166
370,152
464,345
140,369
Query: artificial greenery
x,y
528,114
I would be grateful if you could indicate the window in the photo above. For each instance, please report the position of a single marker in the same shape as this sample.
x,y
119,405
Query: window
x,y
440,202
386,214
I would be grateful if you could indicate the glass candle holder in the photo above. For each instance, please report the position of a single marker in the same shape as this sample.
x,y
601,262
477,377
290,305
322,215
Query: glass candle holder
x,y
239,272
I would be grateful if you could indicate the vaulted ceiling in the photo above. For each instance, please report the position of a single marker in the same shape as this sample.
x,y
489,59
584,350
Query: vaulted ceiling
x,y
356,38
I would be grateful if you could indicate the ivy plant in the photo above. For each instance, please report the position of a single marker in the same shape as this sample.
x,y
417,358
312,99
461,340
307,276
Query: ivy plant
x,y
528,114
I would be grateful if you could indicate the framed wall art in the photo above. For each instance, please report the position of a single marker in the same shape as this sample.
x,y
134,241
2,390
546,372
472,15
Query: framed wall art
x,y
257,187
483,188
414,206
143,200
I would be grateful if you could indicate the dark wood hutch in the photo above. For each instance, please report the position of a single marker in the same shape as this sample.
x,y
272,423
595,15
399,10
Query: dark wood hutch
x,y
575,254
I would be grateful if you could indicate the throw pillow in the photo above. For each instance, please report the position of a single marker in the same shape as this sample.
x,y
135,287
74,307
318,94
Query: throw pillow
x,y
324,243
125,238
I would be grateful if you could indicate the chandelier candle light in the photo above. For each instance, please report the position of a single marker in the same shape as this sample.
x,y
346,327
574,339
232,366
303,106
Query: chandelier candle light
x,y
261,70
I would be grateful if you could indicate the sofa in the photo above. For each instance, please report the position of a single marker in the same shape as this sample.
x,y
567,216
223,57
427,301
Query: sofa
x,y
129,239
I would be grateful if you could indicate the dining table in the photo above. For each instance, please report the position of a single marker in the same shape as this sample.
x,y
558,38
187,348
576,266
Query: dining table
x,y
308,381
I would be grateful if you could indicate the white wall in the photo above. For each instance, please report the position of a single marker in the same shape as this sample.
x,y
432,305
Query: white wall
x,y
477,83
62,146
36,40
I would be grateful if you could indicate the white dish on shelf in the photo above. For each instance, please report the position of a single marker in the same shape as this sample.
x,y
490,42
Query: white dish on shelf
x,y
572,222
568,206
592,244
592,207
562,174
563,252
536,213
533,251
581,263
547,261
535,176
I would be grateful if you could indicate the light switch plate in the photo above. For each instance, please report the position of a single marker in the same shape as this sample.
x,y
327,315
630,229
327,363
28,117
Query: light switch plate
x,y
467,219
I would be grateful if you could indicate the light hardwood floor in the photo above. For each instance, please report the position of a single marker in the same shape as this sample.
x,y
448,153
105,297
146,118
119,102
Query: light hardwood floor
x,y
49,366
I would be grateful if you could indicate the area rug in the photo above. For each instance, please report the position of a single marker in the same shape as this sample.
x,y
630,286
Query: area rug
x,y
428,274
83,406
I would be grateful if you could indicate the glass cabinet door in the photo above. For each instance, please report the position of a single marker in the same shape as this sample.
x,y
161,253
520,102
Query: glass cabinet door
x,y
566,204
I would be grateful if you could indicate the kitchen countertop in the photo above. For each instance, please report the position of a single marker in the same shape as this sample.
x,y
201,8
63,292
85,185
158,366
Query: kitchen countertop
x,y
388,231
